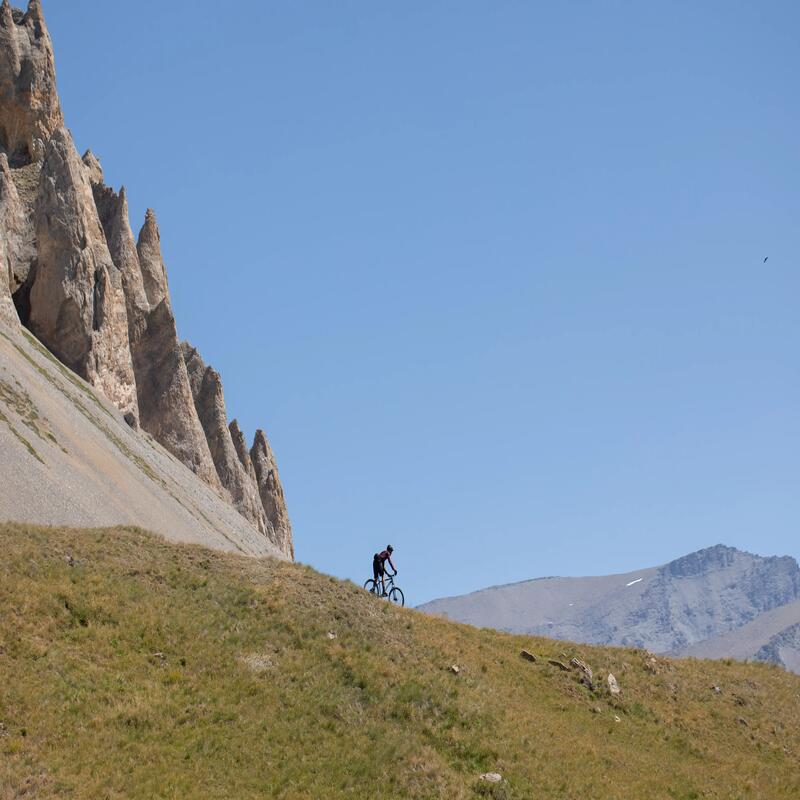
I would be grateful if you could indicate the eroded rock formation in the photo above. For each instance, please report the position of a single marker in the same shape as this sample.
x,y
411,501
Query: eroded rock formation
x,y
166,406
12,244
272,496
165,401
30,110
209,401
72,271
77,302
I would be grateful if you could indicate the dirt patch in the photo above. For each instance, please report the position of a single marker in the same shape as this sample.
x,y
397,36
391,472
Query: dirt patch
x,y
258,662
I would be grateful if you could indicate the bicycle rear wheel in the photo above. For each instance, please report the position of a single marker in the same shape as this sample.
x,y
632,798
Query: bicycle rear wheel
x,y
396,597
371,586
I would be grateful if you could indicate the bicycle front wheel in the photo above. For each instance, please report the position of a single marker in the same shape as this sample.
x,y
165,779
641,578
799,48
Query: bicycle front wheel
x,y
371,586
396,597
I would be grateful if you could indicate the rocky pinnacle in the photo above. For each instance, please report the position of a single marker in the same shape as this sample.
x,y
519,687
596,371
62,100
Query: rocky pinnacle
x,y
77,300
72,272
271,491
30,110
209,401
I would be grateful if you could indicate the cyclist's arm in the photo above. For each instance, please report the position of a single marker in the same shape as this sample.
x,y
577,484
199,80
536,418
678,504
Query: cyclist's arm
x,y
391,563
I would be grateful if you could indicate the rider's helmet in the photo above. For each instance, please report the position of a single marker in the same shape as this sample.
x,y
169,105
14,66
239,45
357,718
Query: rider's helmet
x,y
390,549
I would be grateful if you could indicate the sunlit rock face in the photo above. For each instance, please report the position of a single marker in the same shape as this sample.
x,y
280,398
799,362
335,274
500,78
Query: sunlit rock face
x,y
77,304
13,248
272,496
72,272
209,401
30,110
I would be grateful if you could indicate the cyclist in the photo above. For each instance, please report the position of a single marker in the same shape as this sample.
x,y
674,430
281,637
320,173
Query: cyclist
x,y
379,567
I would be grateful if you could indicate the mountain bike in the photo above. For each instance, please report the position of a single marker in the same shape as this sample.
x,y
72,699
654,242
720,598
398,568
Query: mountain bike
x,y
394,594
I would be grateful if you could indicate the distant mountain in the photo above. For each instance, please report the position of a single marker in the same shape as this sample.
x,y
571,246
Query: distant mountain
x,y
715,603
773,636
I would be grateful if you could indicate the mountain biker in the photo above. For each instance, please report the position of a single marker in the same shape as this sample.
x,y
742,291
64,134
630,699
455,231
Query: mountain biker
x,y
379,567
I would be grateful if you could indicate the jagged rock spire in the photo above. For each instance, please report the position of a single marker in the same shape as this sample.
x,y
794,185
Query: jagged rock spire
x,y
95,169
166,407
77,301
30,110
209,401
153,270
240,444
271,491
112,209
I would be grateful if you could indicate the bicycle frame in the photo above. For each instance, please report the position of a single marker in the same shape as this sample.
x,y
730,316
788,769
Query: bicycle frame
x,y
388,581
390,589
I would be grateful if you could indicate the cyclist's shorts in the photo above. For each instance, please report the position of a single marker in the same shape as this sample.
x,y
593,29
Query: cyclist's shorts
x,y
377,568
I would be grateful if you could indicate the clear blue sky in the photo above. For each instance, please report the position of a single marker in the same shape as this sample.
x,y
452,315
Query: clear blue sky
x,y
489,273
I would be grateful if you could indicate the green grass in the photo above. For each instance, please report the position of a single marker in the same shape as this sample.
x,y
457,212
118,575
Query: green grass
x,y
132,668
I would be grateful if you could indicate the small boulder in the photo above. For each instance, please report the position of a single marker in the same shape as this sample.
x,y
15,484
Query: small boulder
x,y
576,663
331,635
528,656
560,664
492,777
613,686
455,669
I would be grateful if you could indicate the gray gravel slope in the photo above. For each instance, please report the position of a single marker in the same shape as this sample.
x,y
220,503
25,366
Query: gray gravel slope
x,y
68,458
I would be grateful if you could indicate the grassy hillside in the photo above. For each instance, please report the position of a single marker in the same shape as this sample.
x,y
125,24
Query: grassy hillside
x,y
132,668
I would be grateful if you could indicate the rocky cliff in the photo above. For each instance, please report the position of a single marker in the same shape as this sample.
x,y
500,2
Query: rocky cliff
x,y
73,274
13,249
29,106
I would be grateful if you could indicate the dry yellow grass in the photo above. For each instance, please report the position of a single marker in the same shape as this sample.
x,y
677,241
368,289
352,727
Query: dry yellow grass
x,y
131,668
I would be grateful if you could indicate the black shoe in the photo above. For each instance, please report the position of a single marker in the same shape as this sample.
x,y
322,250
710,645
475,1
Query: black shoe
x,y
385,594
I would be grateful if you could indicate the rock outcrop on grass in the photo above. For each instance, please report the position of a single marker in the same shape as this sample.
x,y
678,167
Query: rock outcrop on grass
x,y
72,272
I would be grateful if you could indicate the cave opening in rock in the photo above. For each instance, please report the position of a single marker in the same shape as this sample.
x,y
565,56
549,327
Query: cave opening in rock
x,y
22,300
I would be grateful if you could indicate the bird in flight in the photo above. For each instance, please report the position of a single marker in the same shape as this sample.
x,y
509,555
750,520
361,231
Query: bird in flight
x,y
766,259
